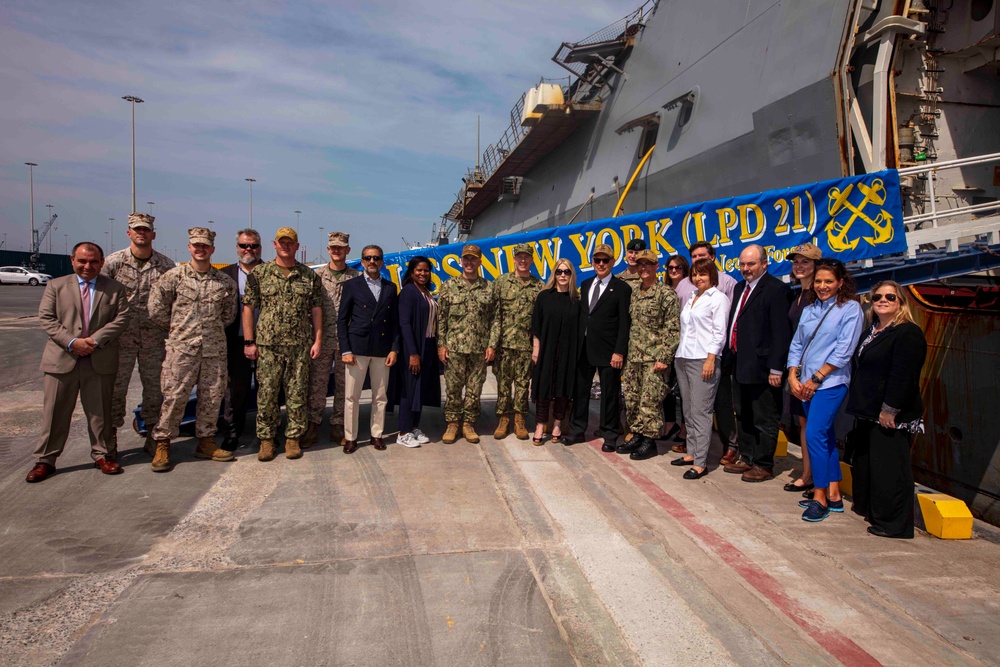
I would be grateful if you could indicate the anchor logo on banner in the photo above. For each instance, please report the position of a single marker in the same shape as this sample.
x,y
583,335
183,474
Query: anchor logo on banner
x,y
839,203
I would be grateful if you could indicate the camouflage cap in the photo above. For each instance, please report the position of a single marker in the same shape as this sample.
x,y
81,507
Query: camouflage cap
x,y
807,250
339,239
286,231
636,244
201,235
140,220
647,256
472,251
525,248
604,249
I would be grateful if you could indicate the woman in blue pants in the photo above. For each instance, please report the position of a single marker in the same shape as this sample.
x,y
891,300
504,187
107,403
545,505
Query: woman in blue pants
x,y
819,372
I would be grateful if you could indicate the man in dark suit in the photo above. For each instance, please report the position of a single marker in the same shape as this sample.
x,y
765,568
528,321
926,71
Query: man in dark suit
x,y
755,354
248,251
368,332
83,315
605,324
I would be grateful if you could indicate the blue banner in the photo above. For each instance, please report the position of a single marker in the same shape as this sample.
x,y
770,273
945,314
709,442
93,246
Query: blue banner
x,y
850,219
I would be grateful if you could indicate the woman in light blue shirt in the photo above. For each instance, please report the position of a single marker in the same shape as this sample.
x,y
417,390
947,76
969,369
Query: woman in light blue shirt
x,y
819,371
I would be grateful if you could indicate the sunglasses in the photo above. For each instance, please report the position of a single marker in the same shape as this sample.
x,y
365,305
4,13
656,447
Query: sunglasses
x,y
563,272
372,258
878,297
248,246
675,268
602,260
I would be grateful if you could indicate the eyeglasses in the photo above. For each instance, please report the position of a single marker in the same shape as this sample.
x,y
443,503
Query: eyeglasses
x,y
674,267
563,272
248,246
878,297
602,260
372,258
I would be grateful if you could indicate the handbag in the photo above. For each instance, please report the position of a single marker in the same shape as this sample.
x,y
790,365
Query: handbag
x,y
798,366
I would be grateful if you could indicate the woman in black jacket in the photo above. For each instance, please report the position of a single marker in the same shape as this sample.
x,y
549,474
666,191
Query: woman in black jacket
x,y
885,399
419,374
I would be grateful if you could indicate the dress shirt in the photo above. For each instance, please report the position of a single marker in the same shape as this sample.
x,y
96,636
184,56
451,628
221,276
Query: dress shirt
x,y
833,344
748,290
599,285
685,290
374,285
727,285
703,325
91,285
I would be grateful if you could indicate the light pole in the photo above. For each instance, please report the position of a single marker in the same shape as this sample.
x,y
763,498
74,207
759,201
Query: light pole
x,y
111,224
297,214
134,100
51,229
106,240
151,206
321,229
251,181
66,239
31,195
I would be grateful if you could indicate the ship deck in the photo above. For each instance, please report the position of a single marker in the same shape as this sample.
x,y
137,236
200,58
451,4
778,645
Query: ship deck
x,y
493,554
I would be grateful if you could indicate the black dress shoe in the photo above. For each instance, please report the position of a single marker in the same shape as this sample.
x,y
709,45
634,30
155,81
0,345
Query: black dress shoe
x,y
608,446
682,462
630,446
350,446
646,450
879,532
691,473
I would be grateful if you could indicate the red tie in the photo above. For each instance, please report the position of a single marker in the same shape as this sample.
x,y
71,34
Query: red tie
x,y
85,298
736,320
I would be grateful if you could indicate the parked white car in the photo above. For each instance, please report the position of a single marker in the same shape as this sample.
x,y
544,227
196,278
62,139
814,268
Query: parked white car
x,y
16,275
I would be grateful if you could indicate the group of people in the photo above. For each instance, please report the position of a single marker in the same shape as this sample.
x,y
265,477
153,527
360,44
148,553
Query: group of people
x,y
694,347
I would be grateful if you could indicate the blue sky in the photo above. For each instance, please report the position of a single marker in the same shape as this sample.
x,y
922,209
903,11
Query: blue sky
x,y
360,114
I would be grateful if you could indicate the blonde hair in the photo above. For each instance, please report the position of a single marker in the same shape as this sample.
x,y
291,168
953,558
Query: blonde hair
x,y
551,284
905,313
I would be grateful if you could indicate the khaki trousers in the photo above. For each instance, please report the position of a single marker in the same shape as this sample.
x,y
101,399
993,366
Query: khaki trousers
x,y
354,381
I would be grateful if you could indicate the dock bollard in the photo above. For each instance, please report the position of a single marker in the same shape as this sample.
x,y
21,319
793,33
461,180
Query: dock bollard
x,y
945,517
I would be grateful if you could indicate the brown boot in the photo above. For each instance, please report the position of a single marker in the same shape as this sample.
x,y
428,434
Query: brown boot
x,y
450,433
469,433
292,449
520,429
266,452
207,449
310,438
161,459
337,434
503,428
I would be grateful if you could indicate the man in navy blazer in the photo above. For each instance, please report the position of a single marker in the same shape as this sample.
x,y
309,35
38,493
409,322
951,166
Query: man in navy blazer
x,y
368,332
756,343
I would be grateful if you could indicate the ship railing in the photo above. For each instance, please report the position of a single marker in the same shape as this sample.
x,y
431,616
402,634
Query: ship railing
x,y
926,228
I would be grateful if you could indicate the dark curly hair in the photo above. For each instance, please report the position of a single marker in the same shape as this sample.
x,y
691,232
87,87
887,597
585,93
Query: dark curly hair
x,y
412,264
848,291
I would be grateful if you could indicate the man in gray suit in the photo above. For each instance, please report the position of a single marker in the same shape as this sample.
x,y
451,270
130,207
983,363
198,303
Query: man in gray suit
x,y
83,315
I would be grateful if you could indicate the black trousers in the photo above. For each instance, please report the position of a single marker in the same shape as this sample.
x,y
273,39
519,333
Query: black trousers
x,y
883,477
725,412
758,413
611,401
240,390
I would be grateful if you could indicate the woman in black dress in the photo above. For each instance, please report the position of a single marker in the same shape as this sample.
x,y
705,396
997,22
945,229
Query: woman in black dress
x,y
885,399
555,337
419,374
803,260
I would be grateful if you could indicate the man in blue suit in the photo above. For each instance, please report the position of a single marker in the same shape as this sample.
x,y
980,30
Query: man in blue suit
x,y
368,331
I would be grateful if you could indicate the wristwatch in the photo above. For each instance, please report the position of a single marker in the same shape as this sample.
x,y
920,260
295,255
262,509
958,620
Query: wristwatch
x,y
247,342
815,378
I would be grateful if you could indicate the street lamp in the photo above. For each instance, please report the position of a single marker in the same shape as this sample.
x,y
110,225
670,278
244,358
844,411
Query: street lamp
x,y
134,100
111,223
31,195
151,206
251,181
297,214
49,206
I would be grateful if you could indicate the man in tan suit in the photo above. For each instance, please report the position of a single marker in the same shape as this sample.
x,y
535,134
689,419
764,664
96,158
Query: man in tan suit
x,y
83,315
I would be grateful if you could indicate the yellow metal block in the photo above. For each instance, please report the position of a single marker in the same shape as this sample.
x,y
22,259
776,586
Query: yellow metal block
x,y
945,517
847,483
782,448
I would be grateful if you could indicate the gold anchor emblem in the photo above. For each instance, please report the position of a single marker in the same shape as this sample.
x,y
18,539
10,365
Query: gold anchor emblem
x,y
838,201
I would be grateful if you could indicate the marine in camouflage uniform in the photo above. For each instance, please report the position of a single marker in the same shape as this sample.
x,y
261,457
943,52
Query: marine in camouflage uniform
x,y
319,368
653,340
465,308
632,249
195,305
510,336
143,341
290,300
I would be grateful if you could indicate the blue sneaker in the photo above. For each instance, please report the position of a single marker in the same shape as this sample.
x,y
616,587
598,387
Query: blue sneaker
x,y
835,505
815,512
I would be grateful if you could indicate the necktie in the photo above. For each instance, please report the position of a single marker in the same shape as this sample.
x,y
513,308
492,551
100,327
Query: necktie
x,y
596,295
85,298
736,320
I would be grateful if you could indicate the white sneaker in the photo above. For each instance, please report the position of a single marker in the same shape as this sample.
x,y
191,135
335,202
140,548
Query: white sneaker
x,y
419,436
407,440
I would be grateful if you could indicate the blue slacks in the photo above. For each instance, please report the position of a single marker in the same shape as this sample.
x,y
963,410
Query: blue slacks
x,y
821,412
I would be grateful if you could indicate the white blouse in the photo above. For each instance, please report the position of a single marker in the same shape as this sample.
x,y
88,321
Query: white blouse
x,y
703,325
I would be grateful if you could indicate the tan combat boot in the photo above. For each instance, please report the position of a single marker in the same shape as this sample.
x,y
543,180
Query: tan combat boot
x,y
469,433
337,434
161,459
310,438
292,449
207,449
450,433
266,452
503,428
520,429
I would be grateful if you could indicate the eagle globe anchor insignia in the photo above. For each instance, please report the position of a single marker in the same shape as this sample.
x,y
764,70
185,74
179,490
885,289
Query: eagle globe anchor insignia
x,y
839,203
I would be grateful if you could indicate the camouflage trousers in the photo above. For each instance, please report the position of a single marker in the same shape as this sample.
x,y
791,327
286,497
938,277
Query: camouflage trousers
x,y
512,367
181,372
464,375
644,390
144,344
282,366
319,381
